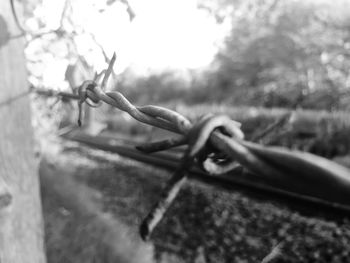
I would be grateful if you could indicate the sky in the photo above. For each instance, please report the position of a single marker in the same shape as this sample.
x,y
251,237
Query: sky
x,y
165,34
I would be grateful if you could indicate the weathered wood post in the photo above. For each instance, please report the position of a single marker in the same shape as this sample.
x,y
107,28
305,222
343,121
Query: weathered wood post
x,y
21,223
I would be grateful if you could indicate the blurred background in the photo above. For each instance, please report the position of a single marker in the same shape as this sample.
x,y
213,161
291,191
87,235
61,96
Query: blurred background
x,y
268,53
255,60
271,54
194,57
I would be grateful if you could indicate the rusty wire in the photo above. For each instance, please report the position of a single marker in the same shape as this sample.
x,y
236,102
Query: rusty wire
x,y
217,145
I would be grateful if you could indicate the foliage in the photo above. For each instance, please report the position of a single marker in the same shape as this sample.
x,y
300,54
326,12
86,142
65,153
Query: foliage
x,y
289,54
278,54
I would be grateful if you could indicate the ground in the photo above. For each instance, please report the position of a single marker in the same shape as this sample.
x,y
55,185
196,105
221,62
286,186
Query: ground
x,y
106,196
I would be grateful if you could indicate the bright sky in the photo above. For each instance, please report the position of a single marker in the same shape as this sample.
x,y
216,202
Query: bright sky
x,y
165,34
169,34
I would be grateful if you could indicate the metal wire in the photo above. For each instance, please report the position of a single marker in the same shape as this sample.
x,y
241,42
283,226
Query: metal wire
x,y
14,98
215,138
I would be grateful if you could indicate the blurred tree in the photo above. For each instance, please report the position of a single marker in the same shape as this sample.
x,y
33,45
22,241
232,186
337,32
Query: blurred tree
x,y
291,53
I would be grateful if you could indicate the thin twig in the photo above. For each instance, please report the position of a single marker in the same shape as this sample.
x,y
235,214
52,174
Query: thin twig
x,y
274,253
35,35
108,72
278,123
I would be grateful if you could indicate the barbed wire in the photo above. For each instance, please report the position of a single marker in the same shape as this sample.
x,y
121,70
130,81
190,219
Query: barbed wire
x,y
217,145
39,91
14,98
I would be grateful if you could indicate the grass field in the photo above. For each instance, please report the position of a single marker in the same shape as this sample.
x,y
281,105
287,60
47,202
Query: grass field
x,y
94,202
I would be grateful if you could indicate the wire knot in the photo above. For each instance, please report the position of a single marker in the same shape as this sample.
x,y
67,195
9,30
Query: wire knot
x,y
86,94
199,150
87,91
208,157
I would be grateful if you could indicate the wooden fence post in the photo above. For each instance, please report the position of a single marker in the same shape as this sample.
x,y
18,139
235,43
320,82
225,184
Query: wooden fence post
x,y
21,223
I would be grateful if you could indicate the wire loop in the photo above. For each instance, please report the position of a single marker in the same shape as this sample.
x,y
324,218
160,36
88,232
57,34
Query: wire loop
x,y
197,139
